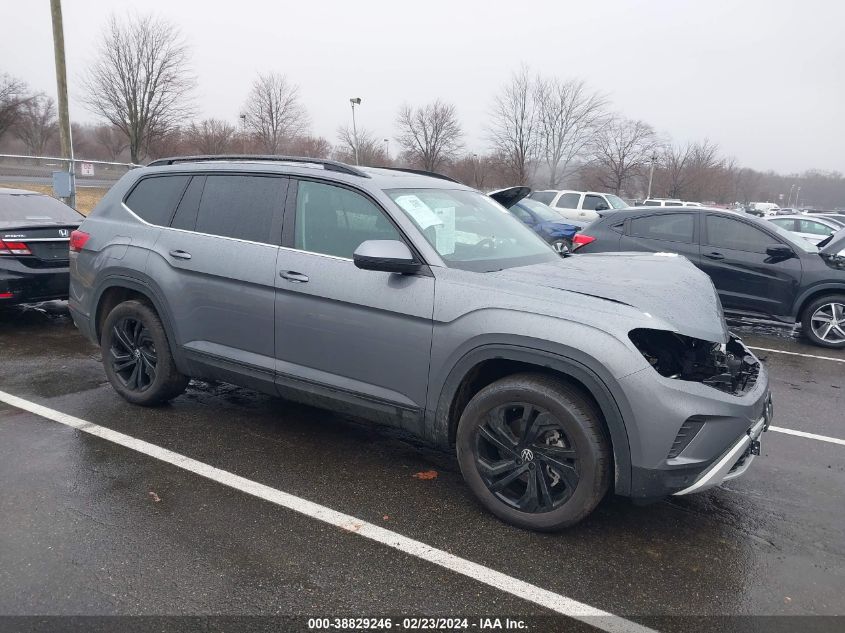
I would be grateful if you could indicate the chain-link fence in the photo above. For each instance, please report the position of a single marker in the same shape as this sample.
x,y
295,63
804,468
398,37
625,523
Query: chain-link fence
x,y
93,177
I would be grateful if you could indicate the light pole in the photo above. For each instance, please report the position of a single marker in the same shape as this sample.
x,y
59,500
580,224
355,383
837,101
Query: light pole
x,y
355,101
243,134
797,193
387,149
789,199
475,169
651,174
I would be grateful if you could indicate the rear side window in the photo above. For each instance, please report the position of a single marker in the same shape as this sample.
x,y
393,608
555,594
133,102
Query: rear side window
x,y
241,206
568,201
786,223
545,197
736,235
652,203
672,227
154,199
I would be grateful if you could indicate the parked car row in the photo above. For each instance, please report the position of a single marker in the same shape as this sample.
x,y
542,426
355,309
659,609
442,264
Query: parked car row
x,y
578,205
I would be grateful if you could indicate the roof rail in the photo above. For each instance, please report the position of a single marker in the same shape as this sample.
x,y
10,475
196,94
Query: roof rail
x,y
328,165
422,172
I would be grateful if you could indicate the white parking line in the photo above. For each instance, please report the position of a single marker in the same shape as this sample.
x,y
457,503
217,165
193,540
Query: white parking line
x,y
811,436
780,351
519,588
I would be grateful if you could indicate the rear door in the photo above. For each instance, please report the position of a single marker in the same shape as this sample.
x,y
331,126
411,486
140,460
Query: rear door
x,y
733,253
216,263
569,205
675,232
359,336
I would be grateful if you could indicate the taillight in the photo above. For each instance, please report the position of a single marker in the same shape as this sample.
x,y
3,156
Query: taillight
x,y
78,239
580,240
14,248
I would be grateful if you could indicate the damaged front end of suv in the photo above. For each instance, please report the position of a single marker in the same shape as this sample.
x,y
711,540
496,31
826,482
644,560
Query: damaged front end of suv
x,y
729,367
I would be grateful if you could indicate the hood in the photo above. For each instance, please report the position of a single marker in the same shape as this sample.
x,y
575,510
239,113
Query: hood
x,y
510,196
663,285
834,244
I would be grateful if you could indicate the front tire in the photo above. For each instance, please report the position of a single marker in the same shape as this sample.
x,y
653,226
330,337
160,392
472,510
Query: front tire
x,y
533,450
137,356
823,321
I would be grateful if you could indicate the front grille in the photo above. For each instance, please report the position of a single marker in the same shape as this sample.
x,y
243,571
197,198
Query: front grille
x,y
689,430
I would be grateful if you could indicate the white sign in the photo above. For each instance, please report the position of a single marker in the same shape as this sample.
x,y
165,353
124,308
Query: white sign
x,y
87,169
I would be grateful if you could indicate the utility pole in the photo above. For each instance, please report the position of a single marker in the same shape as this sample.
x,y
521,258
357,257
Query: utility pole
x,y
61,87
651,174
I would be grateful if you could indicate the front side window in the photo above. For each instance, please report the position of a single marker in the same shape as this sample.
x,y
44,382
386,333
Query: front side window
x,y
736,235
240,206
814,228
470,231
568,201
591,203
335,221
154,199
672,227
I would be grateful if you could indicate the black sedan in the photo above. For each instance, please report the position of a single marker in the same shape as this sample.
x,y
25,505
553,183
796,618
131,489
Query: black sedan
x,y
758,268
34,244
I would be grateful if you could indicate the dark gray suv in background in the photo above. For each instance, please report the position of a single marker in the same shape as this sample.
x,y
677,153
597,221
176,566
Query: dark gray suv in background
x,y
414,301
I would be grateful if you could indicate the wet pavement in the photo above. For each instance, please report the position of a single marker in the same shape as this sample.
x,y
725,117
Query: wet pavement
x,y
91,528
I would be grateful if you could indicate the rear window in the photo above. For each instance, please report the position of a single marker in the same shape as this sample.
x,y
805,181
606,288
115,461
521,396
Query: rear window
x,y
154,199
36,208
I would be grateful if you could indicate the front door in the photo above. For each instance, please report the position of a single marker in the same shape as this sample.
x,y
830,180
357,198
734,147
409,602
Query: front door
x,y
344,334
733,253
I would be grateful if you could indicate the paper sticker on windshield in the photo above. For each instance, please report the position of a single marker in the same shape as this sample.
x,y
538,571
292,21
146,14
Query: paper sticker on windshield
x,y
419,211
445,233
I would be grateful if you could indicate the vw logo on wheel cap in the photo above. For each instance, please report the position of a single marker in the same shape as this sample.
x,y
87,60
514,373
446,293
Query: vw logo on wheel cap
x,y
527,455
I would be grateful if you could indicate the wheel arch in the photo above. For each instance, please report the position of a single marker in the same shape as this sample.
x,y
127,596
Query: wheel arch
x,y
813,293
117,288
486,364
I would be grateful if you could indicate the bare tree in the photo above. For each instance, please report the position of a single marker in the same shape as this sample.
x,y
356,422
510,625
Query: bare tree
x,y
140,82
514,129
210,136
310,146
14,94
111,139
370,147
622,148
569,116
273,112
37,124
674,160
431,135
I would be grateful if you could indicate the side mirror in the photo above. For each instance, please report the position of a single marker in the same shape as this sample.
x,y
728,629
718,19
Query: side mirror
x,y
779,251
601,206
390,256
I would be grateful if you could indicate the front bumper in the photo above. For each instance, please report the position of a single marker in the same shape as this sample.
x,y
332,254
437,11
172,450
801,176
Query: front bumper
x,y
29,285
727,432
736,460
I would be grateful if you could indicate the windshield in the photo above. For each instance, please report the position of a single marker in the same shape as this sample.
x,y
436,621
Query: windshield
x,y
542,211
470,231
35,208
615,201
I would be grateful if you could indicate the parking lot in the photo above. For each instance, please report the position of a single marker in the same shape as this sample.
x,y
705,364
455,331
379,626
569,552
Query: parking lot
x,y
220,504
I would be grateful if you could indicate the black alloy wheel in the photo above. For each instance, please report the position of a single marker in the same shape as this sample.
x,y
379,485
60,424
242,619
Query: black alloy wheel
x,y
133,354
525,458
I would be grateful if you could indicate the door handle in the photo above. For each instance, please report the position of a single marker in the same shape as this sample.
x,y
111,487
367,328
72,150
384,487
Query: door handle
x,y
180,254
714,255
295,277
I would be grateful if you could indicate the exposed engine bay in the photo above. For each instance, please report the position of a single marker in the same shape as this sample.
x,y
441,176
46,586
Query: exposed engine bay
x,y
728,367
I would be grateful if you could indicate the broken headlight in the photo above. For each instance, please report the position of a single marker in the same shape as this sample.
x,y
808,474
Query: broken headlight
x,y
728,367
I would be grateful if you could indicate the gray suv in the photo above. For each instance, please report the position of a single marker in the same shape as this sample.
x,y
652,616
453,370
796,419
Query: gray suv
x,y
411,300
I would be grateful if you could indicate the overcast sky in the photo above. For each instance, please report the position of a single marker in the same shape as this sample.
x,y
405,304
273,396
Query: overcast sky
x,y
763,79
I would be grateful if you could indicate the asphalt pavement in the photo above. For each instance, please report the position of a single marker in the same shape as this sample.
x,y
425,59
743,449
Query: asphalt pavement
x,y
92,527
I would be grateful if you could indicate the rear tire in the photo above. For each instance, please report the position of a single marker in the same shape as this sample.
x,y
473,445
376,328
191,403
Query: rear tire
x,y
532,448
823,321
137,356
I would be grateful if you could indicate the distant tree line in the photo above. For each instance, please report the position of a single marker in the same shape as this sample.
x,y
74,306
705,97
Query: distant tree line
x,y
543,131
